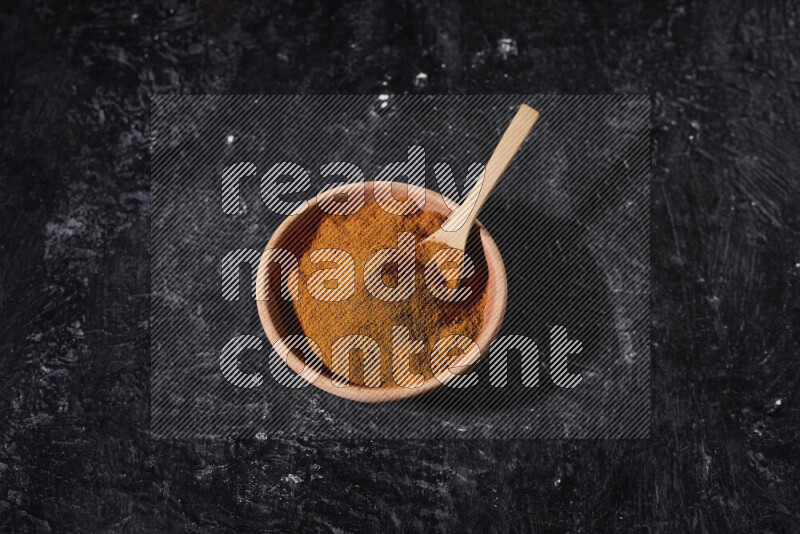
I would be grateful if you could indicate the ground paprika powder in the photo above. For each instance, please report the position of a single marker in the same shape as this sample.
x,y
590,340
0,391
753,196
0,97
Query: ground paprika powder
x,y
427,317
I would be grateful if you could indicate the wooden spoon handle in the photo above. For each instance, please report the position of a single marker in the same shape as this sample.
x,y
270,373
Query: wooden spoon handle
x,y
512,139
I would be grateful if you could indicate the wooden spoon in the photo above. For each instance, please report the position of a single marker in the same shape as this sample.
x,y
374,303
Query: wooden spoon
x,y
455,229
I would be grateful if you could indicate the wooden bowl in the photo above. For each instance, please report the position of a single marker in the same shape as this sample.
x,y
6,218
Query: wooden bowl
x,y
301,226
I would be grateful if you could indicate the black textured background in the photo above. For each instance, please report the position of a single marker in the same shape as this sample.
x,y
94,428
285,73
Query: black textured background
x,y
570,217
76,83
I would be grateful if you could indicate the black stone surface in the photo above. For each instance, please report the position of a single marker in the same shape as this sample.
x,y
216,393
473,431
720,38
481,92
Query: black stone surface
x,y
76,81
571,219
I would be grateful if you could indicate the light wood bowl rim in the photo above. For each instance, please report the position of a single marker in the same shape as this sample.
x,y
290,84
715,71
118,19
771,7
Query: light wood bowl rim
x,y
494,311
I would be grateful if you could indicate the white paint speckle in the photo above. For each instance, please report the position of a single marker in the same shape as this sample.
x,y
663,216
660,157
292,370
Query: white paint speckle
x,y
507,47
294,479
